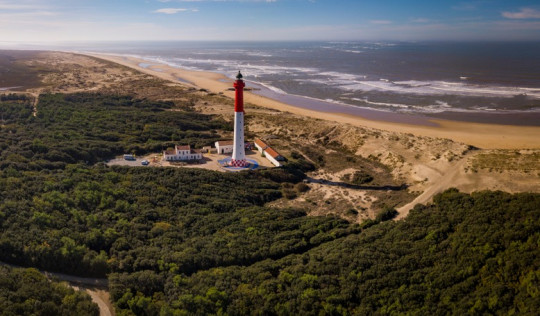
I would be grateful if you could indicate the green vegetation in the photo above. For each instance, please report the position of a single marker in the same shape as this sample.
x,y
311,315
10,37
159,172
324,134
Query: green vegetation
x,y
507,160
188,241
14,71
358,178
28,292
92,127
465,254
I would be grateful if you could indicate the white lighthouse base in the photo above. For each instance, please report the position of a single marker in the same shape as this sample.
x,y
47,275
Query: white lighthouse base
x,y
240,163
238,155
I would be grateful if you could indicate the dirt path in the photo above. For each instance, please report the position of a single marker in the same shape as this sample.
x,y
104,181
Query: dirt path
x,y
447,180
96,288
100,297
34,105
103,299
35,98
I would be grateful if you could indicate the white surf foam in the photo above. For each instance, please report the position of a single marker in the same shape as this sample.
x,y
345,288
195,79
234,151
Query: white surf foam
x,y
440,88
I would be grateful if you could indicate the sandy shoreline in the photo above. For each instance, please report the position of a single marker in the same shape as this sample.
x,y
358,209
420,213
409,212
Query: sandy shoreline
x,y
489,136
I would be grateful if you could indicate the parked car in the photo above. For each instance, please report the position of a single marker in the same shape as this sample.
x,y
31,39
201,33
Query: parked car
x,y
145,162
129,157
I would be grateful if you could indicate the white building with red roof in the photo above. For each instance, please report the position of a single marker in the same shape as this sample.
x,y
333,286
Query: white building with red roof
x,y
224,146
182,153
270,153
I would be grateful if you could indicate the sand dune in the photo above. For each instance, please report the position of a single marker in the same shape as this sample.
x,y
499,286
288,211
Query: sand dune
x,y
489,136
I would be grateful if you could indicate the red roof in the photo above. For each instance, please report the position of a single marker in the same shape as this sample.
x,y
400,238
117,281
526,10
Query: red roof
x,y
187,147
274,154
225,143
261,143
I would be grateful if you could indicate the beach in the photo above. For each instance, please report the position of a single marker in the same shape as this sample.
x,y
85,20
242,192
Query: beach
x,y
486,136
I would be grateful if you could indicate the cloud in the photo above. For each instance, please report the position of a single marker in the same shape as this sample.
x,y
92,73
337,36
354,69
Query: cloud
x,y
20,5
471,5
12,13
8,6
171,10
524,13
421,20
383,22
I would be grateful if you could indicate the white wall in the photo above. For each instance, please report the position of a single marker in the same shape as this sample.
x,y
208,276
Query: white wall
x,y
272,160
226,149
259,148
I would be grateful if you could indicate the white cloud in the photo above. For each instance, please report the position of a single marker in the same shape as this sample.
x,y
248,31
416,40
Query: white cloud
x,y
524,13
9,6
170,10
21,5
421,20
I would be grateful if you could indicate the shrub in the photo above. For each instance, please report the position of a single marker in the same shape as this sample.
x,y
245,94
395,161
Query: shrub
x,y
386,214
301,187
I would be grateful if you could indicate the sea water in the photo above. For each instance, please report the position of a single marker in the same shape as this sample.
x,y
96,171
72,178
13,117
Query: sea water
x,y
488,81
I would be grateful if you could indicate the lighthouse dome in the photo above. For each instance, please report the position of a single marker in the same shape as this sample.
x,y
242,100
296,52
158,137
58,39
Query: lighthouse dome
x,y
239,75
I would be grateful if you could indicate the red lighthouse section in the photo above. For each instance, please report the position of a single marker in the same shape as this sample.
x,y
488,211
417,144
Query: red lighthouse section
x,y
239,93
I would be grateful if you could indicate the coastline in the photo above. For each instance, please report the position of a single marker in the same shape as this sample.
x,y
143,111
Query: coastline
x,y
481,135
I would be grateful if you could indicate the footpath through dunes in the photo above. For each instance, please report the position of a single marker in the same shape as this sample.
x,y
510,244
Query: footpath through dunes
x,y
446,180
488,136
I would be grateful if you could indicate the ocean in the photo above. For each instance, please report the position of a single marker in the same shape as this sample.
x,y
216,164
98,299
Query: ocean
x,y
482,82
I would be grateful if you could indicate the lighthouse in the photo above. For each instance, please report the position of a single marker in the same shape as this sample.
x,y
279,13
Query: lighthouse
x,y
239,155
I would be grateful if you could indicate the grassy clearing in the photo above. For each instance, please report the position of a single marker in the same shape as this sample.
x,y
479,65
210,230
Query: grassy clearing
x,y
505,160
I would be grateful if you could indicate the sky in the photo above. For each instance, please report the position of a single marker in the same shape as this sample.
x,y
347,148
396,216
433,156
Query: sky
x,y
263,20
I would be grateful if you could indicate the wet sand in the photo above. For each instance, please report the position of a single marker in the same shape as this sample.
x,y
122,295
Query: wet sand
x,y
490,136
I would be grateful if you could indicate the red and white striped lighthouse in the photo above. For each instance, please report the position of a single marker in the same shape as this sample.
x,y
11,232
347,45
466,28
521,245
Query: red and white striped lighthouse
x,y
239,155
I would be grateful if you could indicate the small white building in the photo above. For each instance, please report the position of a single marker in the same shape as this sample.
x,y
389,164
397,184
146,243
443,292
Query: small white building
x,y
182,153
224,146
273,156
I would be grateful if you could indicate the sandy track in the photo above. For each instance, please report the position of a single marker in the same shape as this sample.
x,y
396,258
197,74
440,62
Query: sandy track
x,y
96,288
101,298
446,180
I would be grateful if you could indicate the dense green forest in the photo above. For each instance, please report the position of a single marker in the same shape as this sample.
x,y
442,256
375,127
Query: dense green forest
x,y
89,128
190,241
464,254
95,219
28,292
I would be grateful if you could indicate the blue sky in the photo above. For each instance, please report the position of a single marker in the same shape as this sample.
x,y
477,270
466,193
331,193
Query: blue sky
x,y
82,20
